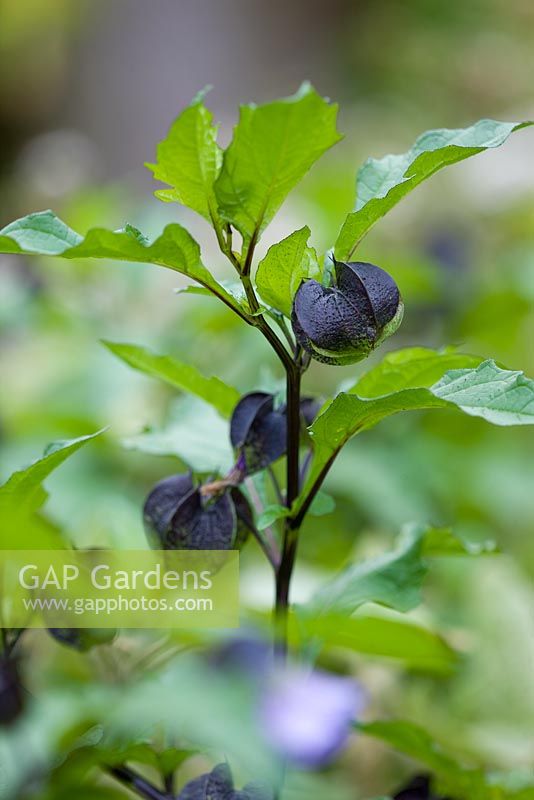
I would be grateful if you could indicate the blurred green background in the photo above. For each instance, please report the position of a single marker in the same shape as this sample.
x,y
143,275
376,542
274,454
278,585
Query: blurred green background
x,y
86,91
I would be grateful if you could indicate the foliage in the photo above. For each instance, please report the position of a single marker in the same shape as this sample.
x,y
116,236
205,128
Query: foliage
x,y
268,476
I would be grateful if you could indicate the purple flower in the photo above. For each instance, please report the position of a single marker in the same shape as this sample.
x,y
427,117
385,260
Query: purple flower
x,y
307,716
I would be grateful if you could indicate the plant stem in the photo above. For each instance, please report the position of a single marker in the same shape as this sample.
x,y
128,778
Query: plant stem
x,y
291,530
266,538
138,784
255,319
293,434
168,780
247,266
225,245
294,366
280,321
260,322
306,467
299,517
269,546
276,485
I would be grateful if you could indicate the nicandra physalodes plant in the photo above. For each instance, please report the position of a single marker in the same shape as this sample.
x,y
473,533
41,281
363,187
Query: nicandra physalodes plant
x,y
329,308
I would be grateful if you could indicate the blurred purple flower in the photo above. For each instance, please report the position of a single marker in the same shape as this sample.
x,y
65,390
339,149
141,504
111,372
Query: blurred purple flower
x,y
307,716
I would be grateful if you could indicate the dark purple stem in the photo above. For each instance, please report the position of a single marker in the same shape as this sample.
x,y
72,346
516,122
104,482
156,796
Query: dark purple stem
x,y
138,784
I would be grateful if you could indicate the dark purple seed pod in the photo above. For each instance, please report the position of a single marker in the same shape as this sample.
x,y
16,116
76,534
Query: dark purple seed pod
x,y
11,691
202,523
83,639
249,656
179,516
258,431
309,408
219,785
343,323
244,517
162,503
419,788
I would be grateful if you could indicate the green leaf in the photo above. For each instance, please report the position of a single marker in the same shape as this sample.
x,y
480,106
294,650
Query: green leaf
x,y
84,793
442,542
322,505
382,183
234,288
453,778
273,147
300,785
196,434
348,415
410,368
400,382
24,486
172,759
416,743
393,579
215,713
285,266
500,396
270,515
407,642
23,494
189,160
43,233
183,376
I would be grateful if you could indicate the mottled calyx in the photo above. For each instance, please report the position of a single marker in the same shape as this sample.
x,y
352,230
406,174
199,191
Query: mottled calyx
x,y
83,639
11,691
343,323
178,516
258,429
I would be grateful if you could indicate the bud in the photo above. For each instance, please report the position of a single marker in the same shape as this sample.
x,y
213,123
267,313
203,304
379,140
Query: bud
x,y
179,516
11,691
343,323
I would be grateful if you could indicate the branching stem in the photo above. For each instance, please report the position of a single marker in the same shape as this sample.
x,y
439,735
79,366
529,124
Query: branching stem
x,y
276,486
138,784
291,530
266,538
294,363
261,323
